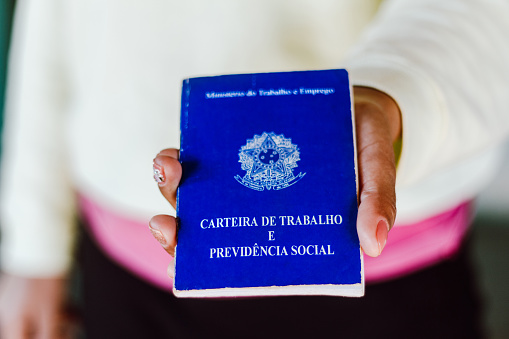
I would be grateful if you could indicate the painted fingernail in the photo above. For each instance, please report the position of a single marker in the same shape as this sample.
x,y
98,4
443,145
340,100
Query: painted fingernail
x,y
158,173
382,231
158,235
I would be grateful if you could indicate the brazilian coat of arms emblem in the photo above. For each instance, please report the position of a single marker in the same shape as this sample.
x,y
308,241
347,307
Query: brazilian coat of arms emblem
x,y
269,160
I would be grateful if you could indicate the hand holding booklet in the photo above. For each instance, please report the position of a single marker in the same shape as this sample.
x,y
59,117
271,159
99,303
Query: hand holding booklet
x,y
268,200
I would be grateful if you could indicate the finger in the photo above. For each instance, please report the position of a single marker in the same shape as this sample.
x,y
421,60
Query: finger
x,y
14,319
377,177
15,330
164,229
171,270
48,318
47,328
167,173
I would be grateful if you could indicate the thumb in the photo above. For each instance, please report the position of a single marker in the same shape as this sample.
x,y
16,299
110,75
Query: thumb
x,y
377,125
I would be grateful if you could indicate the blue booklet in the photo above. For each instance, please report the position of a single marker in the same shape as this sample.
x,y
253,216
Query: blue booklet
x,y
268,200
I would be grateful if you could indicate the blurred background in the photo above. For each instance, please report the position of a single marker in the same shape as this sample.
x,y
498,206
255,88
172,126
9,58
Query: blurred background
x,y
491,239
6,11
490,234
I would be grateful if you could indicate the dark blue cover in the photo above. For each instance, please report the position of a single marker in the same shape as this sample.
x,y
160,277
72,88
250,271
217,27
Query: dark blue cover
x,y
258,149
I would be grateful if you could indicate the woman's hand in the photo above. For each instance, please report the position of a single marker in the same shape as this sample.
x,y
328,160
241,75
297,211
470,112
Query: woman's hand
x,y
33,308
378,125
167,173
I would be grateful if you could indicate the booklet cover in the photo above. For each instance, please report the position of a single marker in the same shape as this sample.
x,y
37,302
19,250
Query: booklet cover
x,y
268,200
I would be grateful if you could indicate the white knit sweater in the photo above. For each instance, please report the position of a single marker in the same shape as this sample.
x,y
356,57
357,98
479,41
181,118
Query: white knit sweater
x,y
95,91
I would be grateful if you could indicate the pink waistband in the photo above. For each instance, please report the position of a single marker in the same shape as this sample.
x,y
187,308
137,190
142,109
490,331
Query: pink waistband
x,y
415,246
127,242
409,247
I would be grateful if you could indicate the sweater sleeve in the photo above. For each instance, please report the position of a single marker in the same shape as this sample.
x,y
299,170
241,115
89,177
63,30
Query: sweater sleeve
x,y
445,64
37,200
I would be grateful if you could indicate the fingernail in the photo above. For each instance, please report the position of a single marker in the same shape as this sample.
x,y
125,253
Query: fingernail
x,y
382,231
158,173
158,235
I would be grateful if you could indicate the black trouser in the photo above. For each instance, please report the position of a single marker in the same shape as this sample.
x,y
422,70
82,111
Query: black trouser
x,y
438,302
